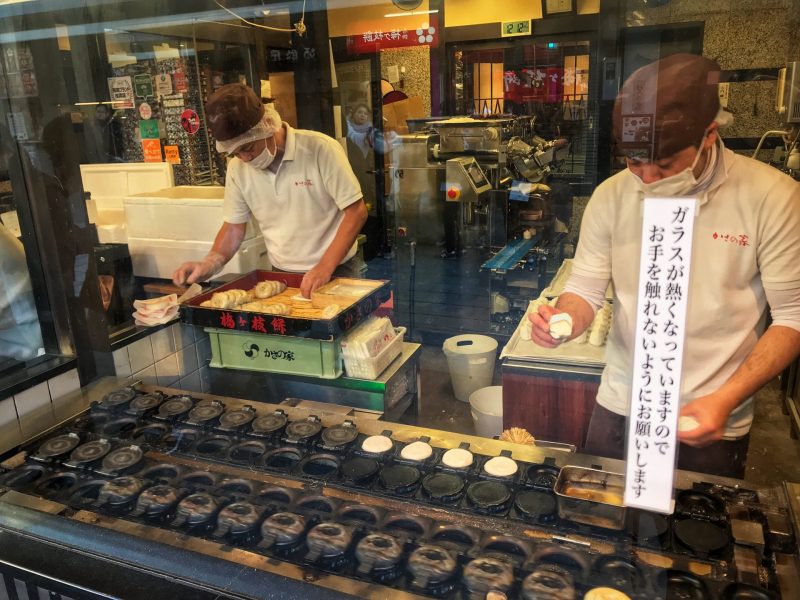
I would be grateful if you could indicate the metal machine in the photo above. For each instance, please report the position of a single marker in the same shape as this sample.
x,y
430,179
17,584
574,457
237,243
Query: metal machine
x,y
153,493
481,183
787,105
457,160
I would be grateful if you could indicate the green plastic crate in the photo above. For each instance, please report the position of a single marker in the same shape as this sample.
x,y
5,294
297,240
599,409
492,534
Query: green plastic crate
x,y
275,353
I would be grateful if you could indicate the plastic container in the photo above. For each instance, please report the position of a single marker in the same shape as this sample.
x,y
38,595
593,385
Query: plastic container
x,y
275,353
470,359
591,496
371,368
159,258
487,410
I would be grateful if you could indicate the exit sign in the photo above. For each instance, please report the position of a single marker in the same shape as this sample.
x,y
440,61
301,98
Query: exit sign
x,y
511,28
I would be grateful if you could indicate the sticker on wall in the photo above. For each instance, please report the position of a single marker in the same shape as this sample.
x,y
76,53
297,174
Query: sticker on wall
x,y
179,82
190,121
143,85
121,92
172,155
149,129
145,110
151,150
163,84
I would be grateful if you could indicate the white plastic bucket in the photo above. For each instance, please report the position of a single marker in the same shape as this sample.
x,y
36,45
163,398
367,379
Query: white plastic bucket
x,y
470,359
487,410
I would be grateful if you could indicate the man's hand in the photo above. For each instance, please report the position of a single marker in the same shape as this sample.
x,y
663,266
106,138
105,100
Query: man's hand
x,y
196,271
315,279
190,272
540,326
711,413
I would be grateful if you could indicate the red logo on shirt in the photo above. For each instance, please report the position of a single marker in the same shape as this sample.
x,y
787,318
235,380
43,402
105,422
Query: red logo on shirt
x,y
304,183
732,238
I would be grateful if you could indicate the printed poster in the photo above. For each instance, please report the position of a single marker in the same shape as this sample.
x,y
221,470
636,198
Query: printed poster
x,y
664,269
143,85
148,129
172,155
152,150
179,83
121,91
163,84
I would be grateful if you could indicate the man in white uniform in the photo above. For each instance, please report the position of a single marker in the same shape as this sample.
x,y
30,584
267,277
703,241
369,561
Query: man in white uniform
x,y
746,258
297,184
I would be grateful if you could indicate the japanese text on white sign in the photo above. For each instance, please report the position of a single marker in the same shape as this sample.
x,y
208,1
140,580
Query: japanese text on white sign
x,y
658,352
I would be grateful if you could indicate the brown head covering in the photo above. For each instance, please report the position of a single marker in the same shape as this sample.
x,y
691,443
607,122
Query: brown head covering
x,y
666,106
232,110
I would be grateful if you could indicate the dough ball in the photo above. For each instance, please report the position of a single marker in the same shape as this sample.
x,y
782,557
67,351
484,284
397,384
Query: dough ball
x,y
265,289
417,451
220,300
605,593
276,309
457,458
500,466
377,444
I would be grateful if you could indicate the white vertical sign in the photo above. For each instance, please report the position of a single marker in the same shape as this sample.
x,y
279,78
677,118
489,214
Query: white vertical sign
x,y
664,265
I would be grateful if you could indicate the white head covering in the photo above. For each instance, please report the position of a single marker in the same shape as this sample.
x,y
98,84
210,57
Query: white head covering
x,y
265,128
723,118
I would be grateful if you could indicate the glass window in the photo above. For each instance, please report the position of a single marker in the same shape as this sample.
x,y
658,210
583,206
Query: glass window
x,y
507,154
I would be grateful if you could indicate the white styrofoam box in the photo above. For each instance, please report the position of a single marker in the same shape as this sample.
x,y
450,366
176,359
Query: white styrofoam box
x,y
122,363
184,212
167,371
141,354
160,258
112,234
10,433
117,180
187,360
91,211
163,343
35,410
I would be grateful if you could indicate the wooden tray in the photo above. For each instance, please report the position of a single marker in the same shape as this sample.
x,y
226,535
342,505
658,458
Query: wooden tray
x,y
305,319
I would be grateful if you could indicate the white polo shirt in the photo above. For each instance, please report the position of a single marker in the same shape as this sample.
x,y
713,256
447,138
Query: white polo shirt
x,y
299,208
746,244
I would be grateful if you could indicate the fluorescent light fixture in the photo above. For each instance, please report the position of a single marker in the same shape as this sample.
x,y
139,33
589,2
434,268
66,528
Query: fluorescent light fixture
x,y
412,13
92,103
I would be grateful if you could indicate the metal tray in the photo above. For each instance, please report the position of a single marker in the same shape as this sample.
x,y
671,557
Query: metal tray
x,y
259,323
584,496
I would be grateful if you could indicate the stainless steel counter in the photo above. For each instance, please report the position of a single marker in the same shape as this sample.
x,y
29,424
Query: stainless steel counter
x,y
212,565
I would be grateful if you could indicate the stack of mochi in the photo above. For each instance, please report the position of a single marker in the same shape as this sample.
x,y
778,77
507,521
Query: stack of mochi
x,y
252,300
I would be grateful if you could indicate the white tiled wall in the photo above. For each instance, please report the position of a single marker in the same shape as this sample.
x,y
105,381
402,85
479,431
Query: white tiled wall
x,y
38,408
176,356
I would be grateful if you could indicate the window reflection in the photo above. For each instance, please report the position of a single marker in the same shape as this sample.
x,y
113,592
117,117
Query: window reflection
x,y
20,333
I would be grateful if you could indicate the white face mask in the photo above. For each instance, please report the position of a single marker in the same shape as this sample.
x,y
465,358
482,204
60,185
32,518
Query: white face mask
x,y
263,160
673,186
